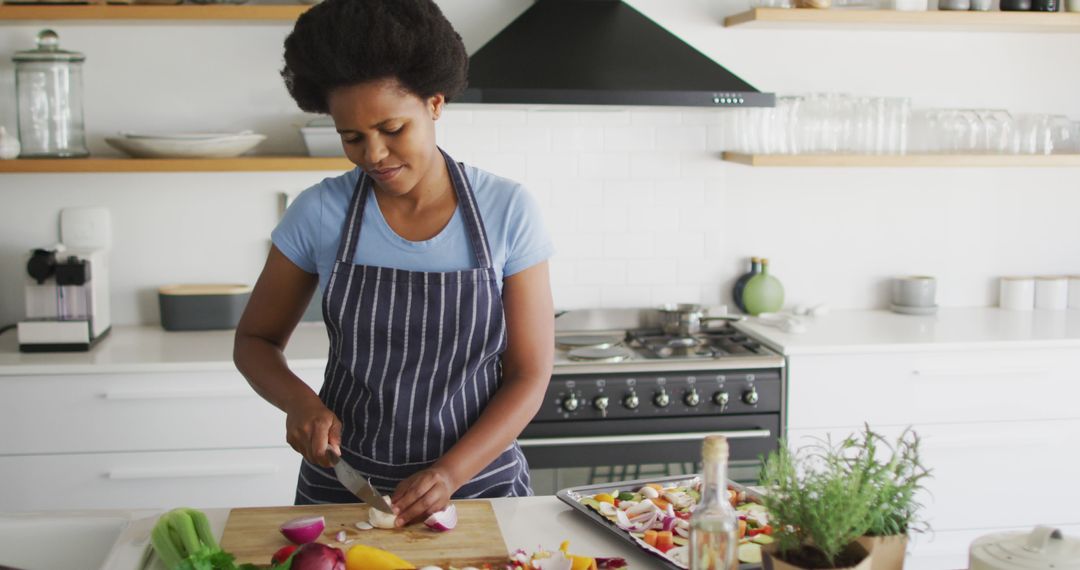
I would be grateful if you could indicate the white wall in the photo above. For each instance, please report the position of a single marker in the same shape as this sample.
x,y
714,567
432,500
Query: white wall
x,y
639,204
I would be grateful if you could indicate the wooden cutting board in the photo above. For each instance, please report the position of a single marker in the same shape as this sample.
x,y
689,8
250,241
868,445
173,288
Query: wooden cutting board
x,y
251,534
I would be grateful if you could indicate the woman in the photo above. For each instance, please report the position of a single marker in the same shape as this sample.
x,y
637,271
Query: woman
x,y
434,276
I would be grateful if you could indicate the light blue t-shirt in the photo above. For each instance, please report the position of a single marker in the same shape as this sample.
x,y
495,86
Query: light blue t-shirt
x,y
310,231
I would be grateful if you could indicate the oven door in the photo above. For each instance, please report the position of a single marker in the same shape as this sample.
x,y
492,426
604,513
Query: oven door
x,y
591,452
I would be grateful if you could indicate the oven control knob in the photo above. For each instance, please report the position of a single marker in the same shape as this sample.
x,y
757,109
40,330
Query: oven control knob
x,y
751,397
630,401
721,399
691,398
570,403
600,403
661,399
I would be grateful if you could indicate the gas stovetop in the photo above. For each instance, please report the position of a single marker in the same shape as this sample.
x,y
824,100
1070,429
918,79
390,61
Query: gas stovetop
x,y
717,348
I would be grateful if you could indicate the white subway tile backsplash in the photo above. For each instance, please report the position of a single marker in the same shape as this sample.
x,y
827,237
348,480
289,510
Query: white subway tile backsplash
x,y
579,139
652,271
500,117
510,165
703,165
579,245
553,118
716,138
605,118
705,116
624,139
628,245
561,271
685,193
690,138
604,165
681,244
453,116
656,218
655,118
629,191
525,139
664,294
599,271
471,137
576,297
662,165
576,193
611,218
553,164
625,296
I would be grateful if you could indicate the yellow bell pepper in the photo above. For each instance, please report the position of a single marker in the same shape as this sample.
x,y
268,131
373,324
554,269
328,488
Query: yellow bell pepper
x,y
363,557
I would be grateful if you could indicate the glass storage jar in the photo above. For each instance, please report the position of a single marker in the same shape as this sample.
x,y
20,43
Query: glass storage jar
x,y
48,84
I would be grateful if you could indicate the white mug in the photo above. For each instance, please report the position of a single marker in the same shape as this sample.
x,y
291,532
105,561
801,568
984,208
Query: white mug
x,y
1051,292
1017,293
1074,291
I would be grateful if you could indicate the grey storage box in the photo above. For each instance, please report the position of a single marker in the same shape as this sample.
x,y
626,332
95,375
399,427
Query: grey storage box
x,y
202,307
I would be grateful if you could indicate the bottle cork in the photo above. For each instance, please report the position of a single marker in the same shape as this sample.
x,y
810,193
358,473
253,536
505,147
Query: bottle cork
x,y
714,448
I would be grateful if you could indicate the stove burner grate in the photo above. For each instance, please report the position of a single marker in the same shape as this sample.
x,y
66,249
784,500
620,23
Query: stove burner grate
x,y
591,354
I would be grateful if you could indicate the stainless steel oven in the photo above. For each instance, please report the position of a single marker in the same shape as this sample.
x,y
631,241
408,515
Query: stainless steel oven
x,y
633,402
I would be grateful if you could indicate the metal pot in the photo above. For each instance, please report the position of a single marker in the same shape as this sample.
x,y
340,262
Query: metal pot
x,y
685,319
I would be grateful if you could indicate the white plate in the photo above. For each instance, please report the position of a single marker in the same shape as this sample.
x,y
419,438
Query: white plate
x,y
184,136
906,310
220,147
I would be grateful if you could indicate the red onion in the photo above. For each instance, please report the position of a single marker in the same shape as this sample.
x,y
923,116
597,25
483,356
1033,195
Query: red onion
x,y
667,523
443,520
318,556
303,530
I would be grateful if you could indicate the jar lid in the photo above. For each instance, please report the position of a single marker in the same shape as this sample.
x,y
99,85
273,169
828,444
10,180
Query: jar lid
x,y
1043,547
48,49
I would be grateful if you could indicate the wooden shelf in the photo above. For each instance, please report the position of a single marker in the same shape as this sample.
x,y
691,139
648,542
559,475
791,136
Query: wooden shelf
x,y
904,161
242,164
10,13
943,20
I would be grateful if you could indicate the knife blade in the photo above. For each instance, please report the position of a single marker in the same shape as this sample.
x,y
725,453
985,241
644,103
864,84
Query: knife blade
x,y
357,484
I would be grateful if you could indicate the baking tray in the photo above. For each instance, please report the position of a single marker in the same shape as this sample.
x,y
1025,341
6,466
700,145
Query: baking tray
x,y
567,496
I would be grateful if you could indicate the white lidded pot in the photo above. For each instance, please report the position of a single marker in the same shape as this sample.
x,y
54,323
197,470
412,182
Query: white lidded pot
x,y
1042,548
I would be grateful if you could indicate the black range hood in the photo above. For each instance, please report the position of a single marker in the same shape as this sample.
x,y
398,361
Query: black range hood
x,y
599,52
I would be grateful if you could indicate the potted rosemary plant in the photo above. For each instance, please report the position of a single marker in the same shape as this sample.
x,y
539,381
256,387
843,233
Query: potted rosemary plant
x,y
894,472
820,507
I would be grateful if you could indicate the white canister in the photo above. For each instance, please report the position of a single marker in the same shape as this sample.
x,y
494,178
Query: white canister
x,y
1074,291
1051,292
1017,293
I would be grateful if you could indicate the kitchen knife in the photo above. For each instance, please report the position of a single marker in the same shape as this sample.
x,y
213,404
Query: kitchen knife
x,y
357,484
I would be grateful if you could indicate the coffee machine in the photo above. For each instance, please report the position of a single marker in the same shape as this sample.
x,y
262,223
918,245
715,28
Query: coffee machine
x,y
67,300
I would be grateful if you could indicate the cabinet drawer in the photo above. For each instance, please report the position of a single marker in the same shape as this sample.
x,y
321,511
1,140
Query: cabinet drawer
x,y
152,480
137,412
991,475
932,387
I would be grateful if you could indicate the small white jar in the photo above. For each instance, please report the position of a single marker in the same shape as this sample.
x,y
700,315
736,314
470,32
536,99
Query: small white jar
x,y
1051,292
1017,293
911,5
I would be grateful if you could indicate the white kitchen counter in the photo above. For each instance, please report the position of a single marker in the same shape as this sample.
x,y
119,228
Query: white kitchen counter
x,y
950,329
153,349
527,523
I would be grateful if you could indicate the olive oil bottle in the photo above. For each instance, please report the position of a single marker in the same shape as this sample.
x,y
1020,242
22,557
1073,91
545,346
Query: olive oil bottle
x,y
713,525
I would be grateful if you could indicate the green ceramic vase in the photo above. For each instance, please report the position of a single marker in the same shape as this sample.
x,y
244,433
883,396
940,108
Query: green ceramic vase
x,y
763,292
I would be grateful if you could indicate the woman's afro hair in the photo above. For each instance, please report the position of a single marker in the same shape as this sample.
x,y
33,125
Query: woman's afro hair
x,y
339,43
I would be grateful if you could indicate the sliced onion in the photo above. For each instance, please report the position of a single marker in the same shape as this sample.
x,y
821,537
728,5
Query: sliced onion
x,y
557,561
667,523
649,492
379,519
642,507
627,505
683,532
608,509
303,530
443,520
364,525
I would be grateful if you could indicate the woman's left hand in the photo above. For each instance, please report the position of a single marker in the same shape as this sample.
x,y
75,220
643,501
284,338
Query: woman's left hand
x,y
423,493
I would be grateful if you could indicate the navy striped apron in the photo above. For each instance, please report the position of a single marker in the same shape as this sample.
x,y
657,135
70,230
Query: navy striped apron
x,y
414,358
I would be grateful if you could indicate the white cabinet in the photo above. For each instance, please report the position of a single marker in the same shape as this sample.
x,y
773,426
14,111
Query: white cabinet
x,y
142,440
998,427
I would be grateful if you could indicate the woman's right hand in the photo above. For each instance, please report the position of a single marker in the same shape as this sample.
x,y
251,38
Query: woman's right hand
x,y
311,428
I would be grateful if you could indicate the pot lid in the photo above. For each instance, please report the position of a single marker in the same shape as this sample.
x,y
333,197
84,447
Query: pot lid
x,y
48,49
1043,547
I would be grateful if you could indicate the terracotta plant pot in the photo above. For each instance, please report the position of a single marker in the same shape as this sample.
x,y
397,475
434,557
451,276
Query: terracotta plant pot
x,y
888,551
771,562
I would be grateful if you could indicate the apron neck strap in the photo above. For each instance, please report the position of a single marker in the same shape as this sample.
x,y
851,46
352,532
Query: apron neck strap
x,y
466,202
